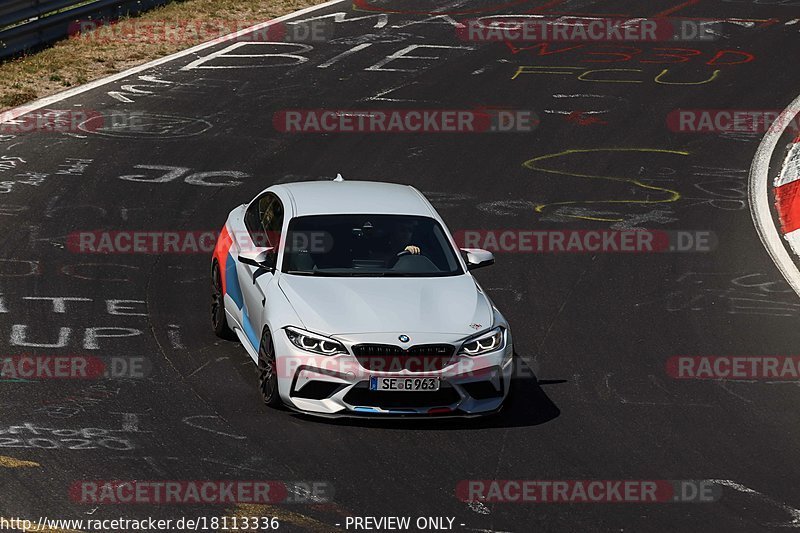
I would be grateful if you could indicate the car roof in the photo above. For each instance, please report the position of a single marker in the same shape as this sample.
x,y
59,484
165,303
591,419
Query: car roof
x,y
356,197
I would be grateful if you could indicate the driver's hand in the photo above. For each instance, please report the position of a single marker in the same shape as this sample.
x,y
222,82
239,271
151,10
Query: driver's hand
x,y
414,250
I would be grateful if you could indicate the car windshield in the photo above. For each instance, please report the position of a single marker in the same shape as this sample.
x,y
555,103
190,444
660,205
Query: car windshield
x,y
368,245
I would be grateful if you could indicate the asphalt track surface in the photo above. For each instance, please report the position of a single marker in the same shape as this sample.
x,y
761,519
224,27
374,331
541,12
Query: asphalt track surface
x,y
595,328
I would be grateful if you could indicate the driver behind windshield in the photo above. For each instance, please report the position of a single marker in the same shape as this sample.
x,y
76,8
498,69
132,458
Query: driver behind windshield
x,y
389,241
401,238
359,243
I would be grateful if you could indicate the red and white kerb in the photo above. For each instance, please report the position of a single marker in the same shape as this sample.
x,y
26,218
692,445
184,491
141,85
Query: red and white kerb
x,y
787,197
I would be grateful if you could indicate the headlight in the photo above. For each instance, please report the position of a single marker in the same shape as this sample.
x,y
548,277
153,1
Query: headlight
x,y
488,342
311,342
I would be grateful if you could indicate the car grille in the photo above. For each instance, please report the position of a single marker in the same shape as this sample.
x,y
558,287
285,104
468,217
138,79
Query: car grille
x,y
391,358
361,396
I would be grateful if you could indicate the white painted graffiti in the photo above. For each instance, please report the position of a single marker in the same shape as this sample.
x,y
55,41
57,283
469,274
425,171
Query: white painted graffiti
x,y
26,178
91,396
278,54
227,178
129,92
73,167
60,337
732,293
8,162
30,435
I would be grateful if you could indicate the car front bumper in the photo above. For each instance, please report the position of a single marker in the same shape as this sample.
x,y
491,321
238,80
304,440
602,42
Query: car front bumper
x,y
338,386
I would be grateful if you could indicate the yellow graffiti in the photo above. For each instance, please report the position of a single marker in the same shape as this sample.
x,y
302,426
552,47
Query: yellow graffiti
x,y
583,77
671,195
664,72
11,462
532,69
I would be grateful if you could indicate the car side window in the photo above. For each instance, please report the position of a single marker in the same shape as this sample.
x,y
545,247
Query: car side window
x,y
272,221
264,220
252,219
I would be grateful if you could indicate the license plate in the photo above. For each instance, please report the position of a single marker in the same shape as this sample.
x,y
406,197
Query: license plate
x,y
404,384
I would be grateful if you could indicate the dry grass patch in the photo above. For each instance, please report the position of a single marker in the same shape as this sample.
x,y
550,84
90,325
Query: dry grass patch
x,y
80,60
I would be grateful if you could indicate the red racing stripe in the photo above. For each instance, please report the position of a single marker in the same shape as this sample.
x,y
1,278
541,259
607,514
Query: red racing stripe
x,y
787,202
221,253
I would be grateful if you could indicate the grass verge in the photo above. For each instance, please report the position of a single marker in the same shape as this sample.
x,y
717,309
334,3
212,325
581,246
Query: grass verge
x,y
82,59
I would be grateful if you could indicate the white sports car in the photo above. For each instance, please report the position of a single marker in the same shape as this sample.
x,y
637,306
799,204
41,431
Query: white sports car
x,y
353,300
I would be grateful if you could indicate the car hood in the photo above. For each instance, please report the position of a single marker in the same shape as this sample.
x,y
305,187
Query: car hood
x,y
341,306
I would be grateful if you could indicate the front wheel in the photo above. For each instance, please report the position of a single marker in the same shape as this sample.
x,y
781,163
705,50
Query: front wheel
x,y
268,372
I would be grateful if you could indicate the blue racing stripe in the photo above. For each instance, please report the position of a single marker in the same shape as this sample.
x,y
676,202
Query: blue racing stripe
x,y
232,282
249,331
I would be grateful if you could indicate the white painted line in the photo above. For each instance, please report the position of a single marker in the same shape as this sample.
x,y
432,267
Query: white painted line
x,y
793,239
791,167
792,511
50,100
758,193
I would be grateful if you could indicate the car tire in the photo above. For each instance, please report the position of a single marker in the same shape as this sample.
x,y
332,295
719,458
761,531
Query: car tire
x,y
268,372
219,321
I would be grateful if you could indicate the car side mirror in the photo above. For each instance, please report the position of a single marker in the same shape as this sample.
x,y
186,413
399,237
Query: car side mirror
x,y
477,258
260,258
